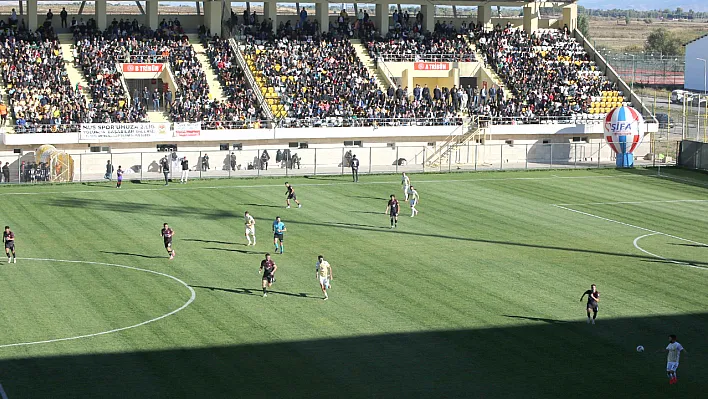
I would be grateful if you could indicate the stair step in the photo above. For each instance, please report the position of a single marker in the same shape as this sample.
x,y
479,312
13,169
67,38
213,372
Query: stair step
x,y
213,82
361,51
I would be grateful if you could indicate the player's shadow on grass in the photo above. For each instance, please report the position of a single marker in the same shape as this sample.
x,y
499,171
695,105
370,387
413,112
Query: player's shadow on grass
x,y
209,241
368,212
691,245
243,251
669,261
264,205
255,292
550,321
136,255
369,197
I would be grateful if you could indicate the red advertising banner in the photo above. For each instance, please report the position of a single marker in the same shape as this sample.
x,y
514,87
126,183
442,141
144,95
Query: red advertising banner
x,y
156,68
432,66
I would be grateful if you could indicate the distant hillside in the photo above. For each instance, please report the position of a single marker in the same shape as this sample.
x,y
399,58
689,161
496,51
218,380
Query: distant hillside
x,y
645,5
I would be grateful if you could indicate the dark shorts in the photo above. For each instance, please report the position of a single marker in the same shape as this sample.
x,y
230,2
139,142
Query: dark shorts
x,y
168,243
593,306
269,278
292,196
394,213
278,236
10,245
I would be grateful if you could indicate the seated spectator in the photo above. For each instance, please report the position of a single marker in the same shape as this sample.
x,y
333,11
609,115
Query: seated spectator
x,y
40,94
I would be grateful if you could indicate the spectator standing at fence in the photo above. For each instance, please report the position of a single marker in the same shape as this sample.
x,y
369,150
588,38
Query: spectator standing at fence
x,y
109,171
264,160
165,164
13,18
50,16
64,16
168,100
355,169
156,100
185,170
205,162
232,161
6,172
146,97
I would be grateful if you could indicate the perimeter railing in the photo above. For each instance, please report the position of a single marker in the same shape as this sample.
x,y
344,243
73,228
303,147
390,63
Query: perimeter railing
x,y
283,161
420,57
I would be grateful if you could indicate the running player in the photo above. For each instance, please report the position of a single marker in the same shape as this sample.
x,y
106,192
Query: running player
x,y
278,230
119,173
268,267
413,199
291,196
406,183
8,237
250,228
167,234
324,275
392,210
593,299
674,350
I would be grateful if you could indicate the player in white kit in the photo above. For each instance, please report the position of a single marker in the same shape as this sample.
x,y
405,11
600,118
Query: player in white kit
x,y
250,228
406,183
413,198
324,275
673,350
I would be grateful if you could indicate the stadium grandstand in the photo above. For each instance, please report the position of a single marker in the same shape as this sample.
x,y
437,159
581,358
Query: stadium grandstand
x,y
409,87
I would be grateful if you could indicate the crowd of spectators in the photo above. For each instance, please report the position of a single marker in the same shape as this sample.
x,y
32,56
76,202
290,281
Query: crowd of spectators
x,y
548,73
407,41
97,53
241,107
322,82
41,97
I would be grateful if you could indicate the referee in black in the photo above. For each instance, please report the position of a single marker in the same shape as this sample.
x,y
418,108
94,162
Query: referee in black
x,y
354,163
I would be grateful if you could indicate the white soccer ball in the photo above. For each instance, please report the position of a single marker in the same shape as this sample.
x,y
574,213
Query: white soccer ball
x,y
640,348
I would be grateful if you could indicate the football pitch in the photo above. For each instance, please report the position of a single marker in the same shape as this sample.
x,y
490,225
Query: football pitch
x,y
476,297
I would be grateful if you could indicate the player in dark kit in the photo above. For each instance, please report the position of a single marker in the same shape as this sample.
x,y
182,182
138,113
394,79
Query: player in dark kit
x,y
8,237
268,267
593,299
167,234
392,210
291,196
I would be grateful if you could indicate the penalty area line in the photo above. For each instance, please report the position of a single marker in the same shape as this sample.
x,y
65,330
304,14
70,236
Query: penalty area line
x,y
636,245
635,202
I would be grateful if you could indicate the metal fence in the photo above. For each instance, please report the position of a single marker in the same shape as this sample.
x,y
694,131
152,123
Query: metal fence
x,y
647,69
88,167
693,155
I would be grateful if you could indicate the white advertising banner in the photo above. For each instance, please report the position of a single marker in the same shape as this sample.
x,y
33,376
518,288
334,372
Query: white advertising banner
x,y
188,129
123,132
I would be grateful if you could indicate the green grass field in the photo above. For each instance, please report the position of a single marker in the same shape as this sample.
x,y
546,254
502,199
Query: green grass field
x,y
477,297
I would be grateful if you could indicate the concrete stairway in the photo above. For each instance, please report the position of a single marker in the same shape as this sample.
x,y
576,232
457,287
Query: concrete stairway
x,y
361,51
76,76
215,88
10,126
470,130
495,78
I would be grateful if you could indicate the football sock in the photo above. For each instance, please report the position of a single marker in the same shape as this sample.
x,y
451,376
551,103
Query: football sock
x,y
282,247
264,290
276,247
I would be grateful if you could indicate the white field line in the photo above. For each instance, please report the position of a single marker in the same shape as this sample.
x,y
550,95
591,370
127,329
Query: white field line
x,y
636,202
630,225
189,302
3,395
393,182
636,245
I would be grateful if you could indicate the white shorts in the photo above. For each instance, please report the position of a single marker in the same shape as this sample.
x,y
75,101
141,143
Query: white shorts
x,y
405,189
324,281
671,366
251,230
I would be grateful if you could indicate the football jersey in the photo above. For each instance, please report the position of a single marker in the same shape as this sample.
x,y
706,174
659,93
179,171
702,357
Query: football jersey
x,y
9,236
394,205
268,266
323,268
278,227
167,233
674,349
248,219
412,194
406,181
